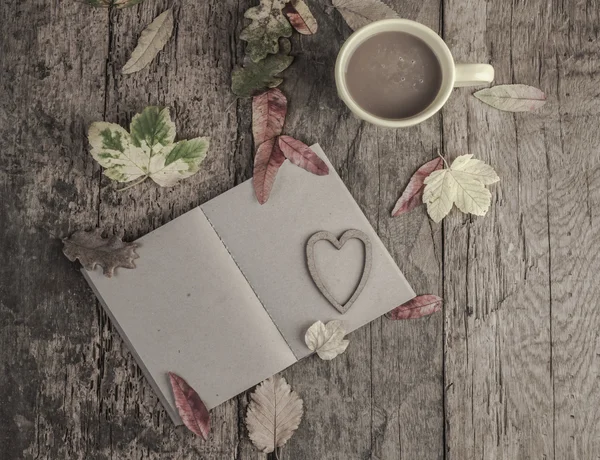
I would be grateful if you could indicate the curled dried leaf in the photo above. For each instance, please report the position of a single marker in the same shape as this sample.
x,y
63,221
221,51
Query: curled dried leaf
x,y
300,17
274,413
326,340
93,250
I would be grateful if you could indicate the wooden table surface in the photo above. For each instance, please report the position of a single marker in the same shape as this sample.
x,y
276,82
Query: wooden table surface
x,y
509,369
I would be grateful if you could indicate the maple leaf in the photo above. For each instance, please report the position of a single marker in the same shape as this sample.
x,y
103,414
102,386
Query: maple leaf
x,y
149,151
326,340
462,184
93,250
267,27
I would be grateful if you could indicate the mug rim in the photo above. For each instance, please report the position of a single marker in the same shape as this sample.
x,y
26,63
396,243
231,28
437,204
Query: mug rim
x,y
448,73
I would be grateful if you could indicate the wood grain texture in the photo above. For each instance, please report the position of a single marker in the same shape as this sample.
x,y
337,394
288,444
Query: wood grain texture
x,y
509,371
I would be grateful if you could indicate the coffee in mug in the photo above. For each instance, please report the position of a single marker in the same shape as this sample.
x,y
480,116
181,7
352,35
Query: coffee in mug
x,y
397,73
393,75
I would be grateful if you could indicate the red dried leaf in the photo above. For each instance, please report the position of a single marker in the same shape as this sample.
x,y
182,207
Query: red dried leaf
x,y
192,410
301,155
268,115
300,17
267,161
421,305
413,193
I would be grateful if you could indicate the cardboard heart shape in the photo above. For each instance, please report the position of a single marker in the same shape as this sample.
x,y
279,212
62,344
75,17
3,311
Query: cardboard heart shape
x,y
338,244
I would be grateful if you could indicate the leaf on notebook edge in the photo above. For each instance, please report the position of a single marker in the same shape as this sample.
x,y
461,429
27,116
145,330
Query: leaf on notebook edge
x,y
413,193
192,410
301,18
274,413
327,340
417,307
92,250
267,161
268,115
302,155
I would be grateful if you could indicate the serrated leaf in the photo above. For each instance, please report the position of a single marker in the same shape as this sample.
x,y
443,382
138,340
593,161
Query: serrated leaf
x,y
417,307
116,3
462,184
152,40
257,77
413,193
93,250
267,27
268,115
274,413
359,13
267,161
149,151
191,408
302,155
300,17
326,340
512,98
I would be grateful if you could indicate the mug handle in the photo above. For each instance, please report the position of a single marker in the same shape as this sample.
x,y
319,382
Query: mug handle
x,y
473,75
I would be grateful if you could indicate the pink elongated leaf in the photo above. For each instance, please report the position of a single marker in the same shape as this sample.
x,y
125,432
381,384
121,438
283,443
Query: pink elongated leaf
x,y
300,17
268,115
191,409
267,162
418,307
302,155
413,193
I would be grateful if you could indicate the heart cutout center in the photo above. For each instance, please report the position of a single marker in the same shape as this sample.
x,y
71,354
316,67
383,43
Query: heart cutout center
x,y
333,273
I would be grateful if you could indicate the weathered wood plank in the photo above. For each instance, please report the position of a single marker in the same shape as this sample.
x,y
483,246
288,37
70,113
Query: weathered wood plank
x,y
499,401
383,398
52,62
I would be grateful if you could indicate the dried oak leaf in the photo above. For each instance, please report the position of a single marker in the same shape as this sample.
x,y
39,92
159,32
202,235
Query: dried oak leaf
x,y
274,413
92,250
257,77
413,193
191,408
418,307
267,27
115,3
300,17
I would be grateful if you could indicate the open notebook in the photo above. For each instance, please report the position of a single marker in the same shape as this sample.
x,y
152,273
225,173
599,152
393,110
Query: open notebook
x,y
222,295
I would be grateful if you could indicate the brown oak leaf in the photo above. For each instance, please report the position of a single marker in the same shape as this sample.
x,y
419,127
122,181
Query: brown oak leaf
x,y
92,250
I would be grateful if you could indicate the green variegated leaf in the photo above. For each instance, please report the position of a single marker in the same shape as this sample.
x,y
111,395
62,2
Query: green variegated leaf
x,y
151,127
148,151
268,25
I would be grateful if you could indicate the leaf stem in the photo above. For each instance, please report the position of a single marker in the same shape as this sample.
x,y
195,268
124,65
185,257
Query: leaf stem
x,y
443,159
133,185
277,453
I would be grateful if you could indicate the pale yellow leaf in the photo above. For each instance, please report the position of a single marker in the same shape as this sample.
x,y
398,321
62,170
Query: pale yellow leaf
x,y
326,340
152,40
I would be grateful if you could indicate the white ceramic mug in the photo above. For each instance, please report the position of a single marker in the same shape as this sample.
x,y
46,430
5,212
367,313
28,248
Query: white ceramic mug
x,y
453,75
